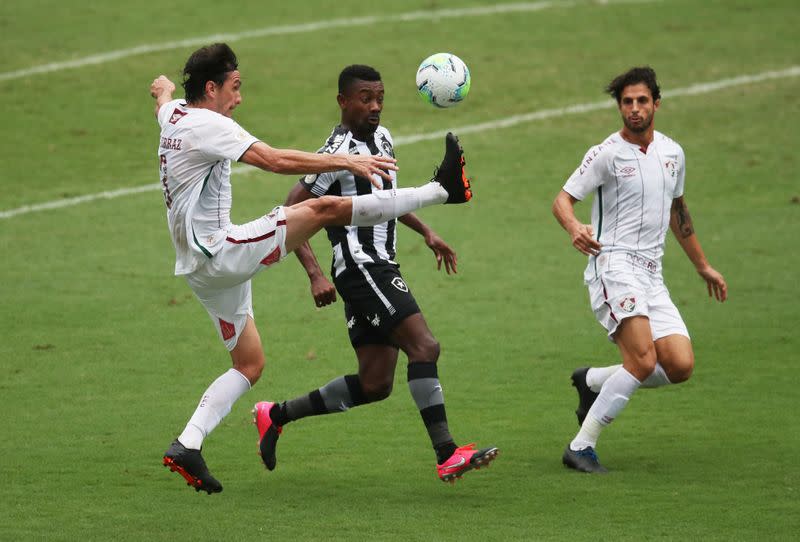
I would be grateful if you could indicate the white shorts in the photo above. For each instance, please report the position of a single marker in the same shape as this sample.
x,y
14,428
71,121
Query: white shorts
x,y
617,295
222,284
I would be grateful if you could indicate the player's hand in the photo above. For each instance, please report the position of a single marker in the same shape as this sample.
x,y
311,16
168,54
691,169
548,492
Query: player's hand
x,y
323,291
369,166
717,287
443,253
161,85
583,240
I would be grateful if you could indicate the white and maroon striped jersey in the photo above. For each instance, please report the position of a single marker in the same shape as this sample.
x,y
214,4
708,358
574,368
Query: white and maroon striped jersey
x,y
633,191
354,245
195,153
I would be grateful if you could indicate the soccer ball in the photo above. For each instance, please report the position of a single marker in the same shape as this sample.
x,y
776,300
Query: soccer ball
x,y
443,80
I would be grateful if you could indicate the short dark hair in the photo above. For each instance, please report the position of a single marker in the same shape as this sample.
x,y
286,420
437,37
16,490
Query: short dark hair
x,y
642,74
210,63
356,72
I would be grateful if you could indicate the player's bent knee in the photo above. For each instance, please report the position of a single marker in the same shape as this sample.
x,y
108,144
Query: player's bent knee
x,y
424,350
377,391
330,210
680,371
251,368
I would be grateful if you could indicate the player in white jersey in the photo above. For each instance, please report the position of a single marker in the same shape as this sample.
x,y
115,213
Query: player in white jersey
x,y
381,314
637,178
199,139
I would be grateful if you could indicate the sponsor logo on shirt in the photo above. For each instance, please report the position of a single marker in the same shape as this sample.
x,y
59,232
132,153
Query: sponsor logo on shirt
x,y
170,143
176,116
641,262
627,171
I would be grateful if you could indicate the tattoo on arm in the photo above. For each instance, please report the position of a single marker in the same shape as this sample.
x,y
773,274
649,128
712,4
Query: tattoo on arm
x,y
681,214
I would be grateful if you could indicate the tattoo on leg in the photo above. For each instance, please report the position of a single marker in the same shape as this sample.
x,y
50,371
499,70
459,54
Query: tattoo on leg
x,y
681,213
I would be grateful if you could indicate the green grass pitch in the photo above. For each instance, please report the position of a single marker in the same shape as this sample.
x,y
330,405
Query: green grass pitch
x,y
104,354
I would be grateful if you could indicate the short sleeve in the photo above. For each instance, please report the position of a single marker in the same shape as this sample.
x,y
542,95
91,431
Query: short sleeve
x,y
222,138
318,184
681,174
591,173
165,111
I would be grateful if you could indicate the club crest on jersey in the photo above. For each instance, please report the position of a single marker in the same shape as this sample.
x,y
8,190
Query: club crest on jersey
x,y
627,171
628,304
177,115
672,168
398,283
387,147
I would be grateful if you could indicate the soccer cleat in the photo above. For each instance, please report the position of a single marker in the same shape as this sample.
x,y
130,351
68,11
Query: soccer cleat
x,y
268,433
450,173
465,459
190,464
586,396
584,460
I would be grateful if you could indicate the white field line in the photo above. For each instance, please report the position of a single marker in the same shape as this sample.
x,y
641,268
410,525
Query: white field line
x,y
108,56
699,88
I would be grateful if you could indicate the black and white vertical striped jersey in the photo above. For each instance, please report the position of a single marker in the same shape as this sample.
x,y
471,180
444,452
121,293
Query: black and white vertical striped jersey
x,y
352,245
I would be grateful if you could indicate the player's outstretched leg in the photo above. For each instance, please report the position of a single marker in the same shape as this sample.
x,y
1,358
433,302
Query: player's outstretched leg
x,y
584,460
190,464
465,459
268,433
451,174
586,396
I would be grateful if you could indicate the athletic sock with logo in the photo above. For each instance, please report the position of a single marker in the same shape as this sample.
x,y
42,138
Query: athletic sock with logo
x,y
423,381
215,404
338,395
615,394
372,209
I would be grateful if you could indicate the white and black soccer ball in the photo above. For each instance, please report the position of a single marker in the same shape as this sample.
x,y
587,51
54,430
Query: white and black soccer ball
x,y
443,80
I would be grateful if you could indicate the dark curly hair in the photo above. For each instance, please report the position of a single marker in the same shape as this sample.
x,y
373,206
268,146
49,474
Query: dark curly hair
x,y
356,72
210,63
643,74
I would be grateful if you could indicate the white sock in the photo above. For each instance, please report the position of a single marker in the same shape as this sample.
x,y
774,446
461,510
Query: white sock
x,y
597,376
619,387
214,405
372,209
657,378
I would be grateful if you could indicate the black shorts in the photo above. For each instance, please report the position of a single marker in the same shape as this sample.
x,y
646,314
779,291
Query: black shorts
x,y
376,299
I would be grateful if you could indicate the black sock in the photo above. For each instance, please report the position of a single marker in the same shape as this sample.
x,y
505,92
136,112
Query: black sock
x,y
423,382
444,451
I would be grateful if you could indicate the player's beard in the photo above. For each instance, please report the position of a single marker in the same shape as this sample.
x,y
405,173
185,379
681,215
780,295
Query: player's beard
x,y
641,127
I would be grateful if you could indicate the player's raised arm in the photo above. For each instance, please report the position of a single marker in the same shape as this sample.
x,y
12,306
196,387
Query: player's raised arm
x,y
680,221
287,161
582,235
161,89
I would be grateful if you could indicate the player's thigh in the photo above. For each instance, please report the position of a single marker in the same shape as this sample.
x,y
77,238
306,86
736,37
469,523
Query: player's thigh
x,y
376,367
415,338
615,297
377,299
305,219
635,342
248,248
229,308
676,356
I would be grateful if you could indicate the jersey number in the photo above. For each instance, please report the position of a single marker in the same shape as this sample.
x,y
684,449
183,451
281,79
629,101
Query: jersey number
x,y
163,171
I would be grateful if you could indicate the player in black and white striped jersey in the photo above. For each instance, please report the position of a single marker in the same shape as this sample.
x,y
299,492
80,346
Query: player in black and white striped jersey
x,y
381,313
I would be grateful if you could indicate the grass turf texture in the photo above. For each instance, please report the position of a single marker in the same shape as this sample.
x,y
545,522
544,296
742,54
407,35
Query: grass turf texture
x,y
105,354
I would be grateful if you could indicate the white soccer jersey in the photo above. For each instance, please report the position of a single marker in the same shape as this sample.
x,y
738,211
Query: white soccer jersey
x,y
195,153
633,190
354,245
